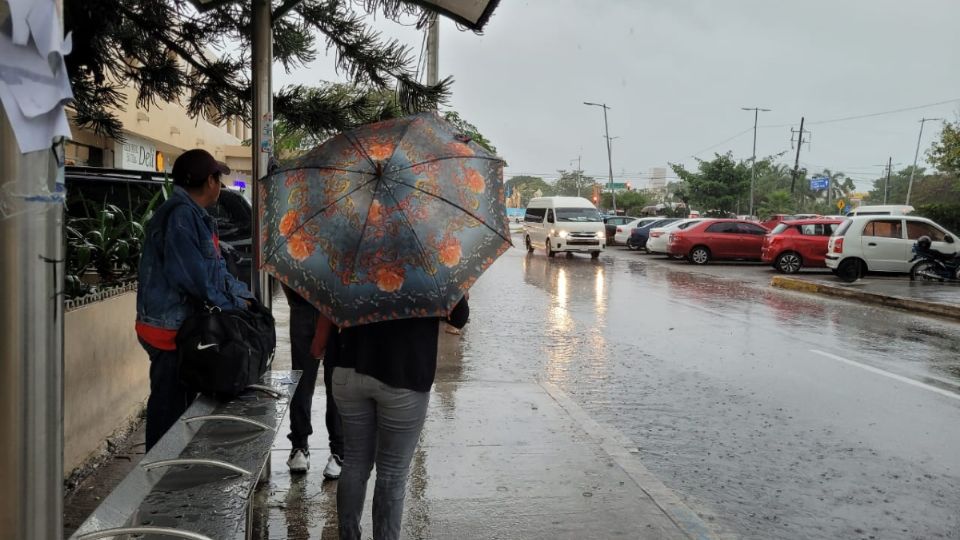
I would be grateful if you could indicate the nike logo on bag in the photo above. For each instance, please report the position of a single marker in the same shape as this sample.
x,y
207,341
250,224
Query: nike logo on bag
x,y
201,346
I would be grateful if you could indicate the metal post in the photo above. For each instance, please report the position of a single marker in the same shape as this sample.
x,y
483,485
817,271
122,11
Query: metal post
x,y
262,58
433,50
606,129
31,349
917,155
753,166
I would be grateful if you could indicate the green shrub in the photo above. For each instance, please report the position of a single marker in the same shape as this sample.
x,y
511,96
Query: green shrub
x,y
946,214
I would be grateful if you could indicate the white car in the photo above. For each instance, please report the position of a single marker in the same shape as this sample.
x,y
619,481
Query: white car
x,y
657,242
881,244
623,231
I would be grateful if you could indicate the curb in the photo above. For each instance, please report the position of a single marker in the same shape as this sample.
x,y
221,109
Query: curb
x,y
617,446
909,304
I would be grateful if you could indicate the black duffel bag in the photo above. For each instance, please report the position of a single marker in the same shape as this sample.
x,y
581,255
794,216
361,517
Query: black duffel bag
x,y
223,352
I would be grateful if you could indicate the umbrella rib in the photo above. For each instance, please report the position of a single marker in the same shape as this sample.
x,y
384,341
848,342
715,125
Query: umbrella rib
x,y
315,214
444,158
423,252
346,135
363,230
455,205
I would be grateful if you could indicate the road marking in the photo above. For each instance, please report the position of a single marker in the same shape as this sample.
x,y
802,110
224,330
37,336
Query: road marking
x,y
893,376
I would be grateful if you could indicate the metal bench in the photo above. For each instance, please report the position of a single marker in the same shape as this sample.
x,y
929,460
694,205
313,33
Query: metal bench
x,y
198,480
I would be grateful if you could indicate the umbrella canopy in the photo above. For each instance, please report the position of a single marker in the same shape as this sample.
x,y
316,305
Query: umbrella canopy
x,y
389,221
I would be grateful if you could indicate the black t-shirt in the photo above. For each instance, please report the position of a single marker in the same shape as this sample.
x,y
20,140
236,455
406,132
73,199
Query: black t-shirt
x,y
401,353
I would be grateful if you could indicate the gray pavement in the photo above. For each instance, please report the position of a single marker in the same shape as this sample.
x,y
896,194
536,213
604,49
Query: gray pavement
x,y
497,459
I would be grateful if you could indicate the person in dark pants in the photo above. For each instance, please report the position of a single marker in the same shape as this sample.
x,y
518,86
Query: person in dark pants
x,y
382,376
303,325
181,260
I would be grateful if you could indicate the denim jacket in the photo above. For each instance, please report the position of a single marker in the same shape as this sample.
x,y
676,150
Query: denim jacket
x,y
183,260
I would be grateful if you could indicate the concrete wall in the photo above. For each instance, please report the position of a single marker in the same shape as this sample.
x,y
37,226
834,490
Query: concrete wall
x,y
106,376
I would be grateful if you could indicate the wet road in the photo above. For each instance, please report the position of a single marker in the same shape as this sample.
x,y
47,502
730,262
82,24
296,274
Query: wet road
x,y
772,414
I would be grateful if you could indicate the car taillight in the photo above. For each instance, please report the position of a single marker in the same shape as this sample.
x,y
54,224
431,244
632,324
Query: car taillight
x,y
619,229
838,245
656,234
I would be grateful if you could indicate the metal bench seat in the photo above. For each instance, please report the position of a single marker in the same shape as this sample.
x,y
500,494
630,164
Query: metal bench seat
x,y
198,480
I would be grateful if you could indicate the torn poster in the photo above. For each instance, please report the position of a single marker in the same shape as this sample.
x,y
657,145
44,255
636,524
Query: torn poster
x,y
34,86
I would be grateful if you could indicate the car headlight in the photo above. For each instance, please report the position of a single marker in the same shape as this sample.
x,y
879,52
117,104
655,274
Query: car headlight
x,y
562,234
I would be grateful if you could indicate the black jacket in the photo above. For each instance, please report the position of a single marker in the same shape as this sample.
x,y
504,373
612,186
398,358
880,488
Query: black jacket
x,y
401,353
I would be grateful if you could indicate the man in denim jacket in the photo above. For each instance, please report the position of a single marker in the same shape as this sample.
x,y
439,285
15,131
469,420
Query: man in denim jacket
x,y
181,259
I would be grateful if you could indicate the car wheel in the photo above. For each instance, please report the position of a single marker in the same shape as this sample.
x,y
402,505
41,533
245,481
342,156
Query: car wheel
x,y
849,270
529,244
924,271
700,255
550,251
788,262
594,254
629,244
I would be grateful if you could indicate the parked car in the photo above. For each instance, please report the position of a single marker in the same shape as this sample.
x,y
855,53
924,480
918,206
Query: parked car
x,y
881,210
131,192
564,224
657,242
610,224
793,245
639,235
776,219
878,243
623,231
718,239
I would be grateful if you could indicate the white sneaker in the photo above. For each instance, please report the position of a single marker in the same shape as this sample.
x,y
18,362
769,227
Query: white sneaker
x,y
332,470
299,461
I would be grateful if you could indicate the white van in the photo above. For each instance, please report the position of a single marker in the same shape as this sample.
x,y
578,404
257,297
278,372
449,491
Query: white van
x,y
881,210
564,224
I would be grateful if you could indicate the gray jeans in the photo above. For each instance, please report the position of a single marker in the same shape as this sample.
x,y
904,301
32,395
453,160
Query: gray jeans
x,y
381,424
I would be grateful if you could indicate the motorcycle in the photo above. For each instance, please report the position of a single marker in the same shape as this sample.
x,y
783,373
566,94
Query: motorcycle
x,y
934,265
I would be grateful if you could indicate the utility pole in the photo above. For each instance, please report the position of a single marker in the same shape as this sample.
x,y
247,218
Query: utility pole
x,y
606,129
796,163
886,183
579,175
31,318
261,64
753,167
433,50
916,155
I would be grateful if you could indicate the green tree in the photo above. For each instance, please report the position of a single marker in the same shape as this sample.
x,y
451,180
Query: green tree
x,y
630,202
574,184
897,187
719,186
528,186
945,153
168,52
778,202
469,130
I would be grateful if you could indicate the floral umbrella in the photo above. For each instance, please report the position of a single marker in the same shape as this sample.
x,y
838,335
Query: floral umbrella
x,y
392,220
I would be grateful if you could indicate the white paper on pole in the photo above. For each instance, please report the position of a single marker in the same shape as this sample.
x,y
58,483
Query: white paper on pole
x,y
34,85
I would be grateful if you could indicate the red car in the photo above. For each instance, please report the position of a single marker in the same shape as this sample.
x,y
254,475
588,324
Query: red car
x,y
718,239
776,219
793,245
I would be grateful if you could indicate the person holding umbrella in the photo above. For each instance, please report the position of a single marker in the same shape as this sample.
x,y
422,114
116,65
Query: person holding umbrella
x,y
384,229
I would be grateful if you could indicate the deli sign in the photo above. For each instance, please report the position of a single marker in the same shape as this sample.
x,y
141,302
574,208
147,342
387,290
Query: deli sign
x,y
135,154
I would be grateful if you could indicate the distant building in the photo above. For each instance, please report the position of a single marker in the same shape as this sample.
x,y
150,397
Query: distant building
x,y
658,178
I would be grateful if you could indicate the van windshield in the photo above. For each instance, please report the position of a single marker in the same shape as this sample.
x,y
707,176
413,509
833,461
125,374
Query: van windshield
x,y
579,215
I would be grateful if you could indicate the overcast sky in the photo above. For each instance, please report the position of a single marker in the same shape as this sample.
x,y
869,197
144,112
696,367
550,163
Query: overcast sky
x,y
676,73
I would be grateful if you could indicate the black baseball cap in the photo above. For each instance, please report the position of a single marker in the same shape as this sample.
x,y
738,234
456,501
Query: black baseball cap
x,y
193,167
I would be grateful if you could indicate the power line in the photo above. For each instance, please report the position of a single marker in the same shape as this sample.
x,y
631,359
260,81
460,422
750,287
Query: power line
x,y
869,115
712,146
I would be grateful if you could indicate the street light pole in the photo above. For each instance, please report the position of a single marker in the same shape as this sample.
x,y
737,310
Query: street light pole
x,y
917,155
579,178
753,165
606,129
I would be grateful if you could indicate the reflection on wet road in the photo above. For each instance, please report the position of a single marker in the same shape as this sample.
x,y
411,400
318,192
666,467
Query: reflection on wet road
x,y
774,415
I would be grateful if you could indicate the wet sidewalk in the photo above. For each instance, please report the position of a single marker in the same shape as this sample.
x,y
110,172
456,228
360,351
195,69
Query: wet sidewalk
x,y
499,460
930,298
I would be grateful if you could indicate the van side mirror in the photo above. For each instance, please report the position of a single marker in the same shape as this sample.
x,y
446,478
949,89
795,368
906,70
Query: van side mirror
x,y
948,239
550,218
